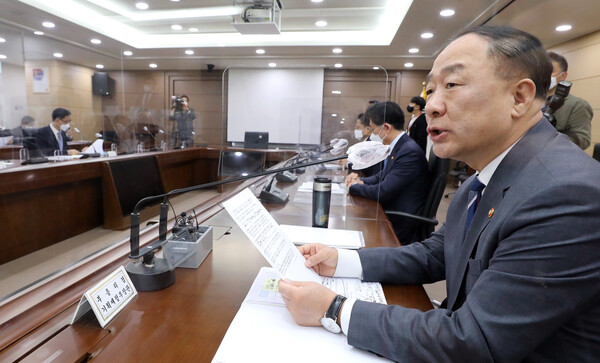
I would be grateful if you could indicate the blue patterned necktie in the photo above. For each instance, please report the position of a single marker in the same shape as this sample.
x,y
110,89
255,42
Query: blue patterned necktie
x,y
60,142
474,198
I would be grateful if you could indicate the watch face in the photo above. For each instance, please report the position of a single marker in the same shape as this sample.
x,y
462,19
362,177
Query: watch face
x,y
330,325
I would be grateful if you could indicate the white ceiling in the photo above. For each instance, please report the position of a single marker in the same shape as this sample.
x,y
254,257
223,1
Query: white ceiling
x,y
370,32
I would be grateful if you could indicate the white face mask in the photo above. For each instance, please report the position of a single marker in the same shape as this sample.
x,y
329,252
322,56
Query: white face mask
x,y
65,127
552,82
377,137
358,134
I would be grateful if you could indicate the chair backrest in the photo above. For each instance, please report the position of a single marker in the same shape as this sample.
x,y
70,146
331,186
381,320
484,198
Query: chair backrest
x,y
438,170
596,154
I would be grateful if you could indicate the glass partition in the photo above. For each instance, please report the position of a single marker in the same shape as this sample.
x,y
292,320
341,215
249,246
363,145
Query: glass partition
x,y
188,125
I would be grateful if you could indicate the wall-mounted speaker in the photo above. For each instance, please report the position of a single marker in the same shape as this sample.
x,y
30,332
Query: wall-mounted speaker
x,y
102,84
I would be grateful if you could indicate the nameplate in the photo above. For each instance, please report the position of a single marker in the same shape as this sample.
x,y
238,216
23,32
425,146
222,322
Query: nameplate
x,y
107,298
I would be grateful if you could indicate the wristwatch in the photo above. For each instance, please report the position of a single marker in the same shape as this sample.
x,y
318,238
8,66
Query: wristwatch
x,y
329,321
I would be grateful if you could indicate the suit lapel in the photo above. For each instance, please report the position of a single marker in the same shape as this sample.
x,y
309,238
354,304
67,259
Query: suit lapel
x,y
394,151
506,173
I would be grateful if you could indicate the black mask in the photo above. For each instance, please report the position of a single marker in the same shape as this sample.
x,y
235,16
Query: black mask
x,y
410,109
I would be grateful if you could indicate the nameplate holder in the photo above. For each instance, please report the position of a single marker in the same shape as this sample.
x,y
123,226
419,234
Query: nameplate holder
x,y
107,298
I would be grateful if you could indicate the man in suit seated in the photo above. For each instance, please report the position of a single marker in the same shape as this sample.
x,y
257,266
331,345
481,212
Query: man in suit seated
x,y
362,132
403,183
54,137
24,130
519,249
417,127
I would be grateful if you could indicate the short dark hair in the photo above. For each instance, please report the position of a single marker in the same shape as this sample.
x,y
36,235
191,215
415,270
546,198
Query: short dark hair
x,y
60,113
363,121
27,120
388,112
182,96
516,54
562,61
419,101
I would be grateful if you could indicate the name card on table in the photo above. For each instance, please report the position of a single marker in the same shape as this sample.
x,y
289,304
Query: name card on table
x,y
107,298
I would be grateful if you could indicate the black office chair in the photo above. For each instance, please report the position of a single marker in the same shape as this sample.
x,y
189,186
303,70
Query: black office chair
x,y
438,169
596,154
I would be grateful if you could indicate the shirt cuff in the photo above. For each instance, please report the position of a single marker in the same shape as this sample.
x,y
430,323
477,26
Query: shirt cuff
x,y
344,315
348,264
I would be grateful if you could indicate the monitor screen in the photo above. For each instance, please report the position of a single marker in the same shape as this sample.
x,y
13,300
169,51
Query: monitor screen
x,y
256,140
241,163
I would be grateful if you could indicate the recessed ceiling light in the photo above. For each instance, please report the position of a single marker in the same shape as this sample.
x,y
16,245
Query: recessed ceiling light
x,y
334,115
447,12
95,41
152,65
260,51
175,1
336,92
413,50
141,6
48,24
100,66
2,56
176,27
427,35
341,122
37,32
409,65
563,28
316,1
58,55
321,23
272,65
376,68
193,30
338,65
189,52
337,50
128,53
2,40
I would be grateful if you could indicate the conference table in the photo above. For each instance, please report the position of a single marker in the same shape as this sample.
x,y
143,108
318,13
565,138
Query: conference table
x,y
188,320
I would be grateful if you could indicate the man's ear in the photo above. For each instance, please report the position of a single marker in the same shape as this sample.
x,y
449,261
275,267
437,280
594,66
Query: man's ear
x,y
523,95
565,74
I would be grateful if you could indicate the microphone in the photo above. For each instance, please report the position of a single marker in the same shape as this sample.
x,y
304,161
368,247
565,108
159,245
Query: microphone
x,y
153,138
155,273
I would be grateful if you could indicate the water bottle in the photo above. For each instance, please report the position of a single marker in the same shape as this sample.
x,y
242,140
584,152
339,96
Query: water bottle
x,y
321,202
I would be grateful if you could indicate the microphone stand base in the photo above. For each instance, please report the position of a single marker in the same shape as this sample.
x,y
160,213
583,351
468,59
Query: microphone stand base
x,y
154,277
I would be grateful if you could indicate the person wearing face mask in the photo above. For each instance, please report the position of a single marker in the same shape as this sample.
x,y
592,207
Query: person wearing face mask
x,y
403,182
24,130
574,118
417,127
54,137
362,132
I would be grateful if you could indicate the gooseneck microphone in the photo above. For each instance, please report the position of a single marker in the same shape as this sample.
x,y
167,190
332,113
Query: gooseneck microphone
x,y
155,273
153,138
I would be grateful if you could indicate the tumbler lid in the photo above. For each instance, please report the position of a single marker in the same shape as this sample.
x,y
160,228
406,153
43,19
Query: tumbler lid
x,y
321,179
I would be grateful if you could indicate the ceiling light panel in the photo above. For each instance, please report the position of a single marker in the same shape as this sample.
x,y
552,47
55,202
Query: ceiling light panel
x,y
376,23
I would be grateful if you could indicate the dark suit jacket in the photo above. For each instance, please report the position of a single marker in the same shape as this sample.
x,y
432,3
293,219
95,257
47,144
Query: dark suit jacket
x,y
523,284
418,131
46,143
402,186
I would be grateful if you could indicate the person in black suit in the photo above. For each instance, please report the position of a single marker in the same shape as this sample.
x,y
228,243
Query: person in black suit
x,y
24,130
417,127
403,183
54,137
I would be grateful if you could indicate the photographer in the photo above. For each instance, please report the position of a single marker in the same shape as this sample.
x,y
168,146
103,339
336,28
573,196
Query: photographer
x,y
574,117
184,116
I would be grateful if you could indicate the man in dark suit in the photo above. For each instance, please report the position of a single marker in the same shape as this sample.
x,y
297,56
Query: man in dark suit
x,y
519,250
24,130
362,132
403,183
54,137
417,126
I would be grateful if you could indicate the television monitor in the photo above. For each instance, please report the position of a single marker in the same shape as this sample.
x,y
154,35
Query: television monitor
x,y
135,179
239,163
256,140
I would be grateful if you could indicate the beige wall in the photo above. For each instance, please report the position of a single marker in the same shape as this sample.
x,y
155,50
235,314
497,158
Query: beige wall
x,y
71,88
584,71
